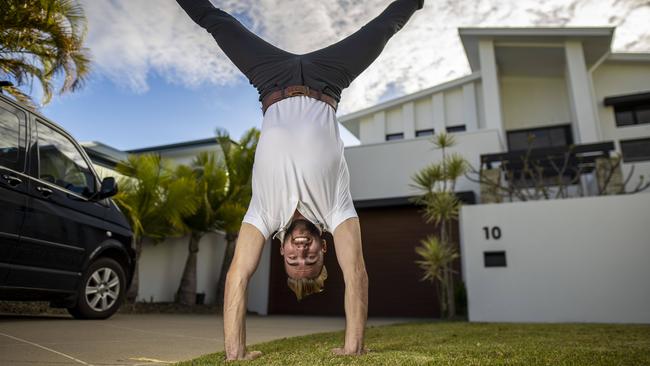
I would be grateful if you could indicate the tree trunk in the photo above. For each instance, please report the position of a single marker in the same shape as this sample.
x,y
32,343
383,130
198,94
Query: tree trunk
x,y
231,241
132,293
450,293
443,295
186,293
439,293
450,278
445,232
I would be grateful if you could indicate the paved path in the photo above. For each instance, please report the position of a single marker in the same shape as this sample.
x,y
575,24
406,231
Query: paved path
x,y
140,339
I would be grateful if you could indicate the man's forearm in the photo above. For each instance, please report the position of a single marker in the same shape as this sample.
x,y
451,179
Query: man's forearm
x,y
356,310
234,316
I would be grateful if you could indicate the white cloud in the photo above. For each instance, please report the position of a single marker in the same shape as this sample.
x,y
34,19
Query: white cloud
x,y
130,39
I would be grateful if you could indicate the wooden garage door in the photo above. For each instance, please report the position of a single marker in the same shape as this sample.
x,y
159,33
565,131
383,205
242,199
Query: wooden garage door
x,y
389,236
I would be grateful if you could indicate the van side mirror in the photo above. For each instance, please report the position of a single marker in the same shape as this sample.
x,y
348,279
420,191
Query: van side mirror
x,y
108,189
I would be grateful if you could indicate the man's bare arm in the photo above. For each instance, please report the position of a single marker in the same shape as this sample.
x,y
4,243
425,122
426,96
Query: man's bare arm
x,y
347,239
247,255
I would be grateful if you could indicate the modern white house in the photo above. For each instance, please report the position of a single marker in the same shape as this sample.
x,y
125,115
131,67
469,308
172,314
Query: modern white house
x,y
563,85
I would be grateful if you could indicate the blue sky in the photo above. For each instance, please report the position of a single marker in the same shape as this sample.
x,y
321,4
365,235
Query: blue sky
x,y
166,113
158,78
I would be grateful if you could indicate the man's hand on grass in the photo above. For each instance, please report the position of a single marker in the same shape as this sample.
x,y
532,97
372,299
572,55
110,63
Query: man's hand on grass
x,y
247,357
342,352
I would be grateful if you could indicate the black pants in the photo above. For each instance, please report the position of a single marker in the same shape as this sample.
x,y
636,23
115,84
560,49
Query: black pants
x,y
330,69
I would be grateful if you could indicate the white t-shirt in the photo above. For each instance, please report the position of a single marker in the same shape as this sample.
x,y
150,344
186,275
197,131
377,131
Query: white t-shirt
x,y
299,164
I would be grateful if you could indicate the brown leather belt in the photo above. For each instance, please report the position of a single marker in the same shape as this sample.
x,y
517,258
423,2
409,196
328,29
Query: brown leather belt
x,y
294,90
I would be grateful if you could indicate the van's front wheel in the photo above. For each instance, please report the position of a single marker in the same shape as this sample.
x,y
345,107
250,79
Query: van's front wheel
x,y
101,292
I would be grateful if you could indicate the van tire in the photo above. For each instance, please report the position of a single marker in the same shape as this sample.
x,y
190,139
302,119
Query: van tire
x,y
107,279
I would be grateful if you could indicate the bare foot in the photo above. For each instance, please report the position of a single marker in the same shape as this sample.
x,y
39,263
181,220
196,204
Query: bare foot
x,y
342,352
248,357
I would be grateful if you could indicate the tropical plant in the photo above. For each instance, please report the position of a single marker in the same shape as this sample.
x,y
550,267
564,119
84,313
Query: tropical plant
x,y
211,179
42,40
435,259
154,201
238,158
437,184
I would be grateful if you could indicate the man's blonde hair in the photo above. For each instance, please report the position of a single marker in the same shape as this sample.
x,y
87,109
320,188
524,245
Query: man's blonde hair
x,y
303,287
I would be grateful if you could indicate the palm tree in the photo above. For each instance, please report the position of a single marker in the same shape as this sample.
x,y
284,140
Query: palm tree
x,y
211,179
437,182
238,159
154,201
42,40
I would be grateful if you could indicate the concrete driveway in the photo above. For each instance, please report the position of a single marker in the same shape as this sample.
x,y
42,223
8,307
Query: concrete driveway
x,y
140,339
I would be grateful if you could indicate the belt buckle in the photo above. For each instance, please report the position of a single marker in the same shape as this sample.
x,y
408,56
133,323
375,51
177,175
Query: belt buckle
x,y
299,92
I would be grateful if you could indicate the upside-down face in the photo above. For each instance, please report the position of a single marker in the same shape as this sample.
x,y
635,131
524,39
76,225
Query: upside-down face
x,y
303,249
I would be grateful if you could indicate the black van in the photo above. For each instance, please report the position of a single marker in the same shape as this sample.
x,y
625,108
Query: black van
x,y
62,239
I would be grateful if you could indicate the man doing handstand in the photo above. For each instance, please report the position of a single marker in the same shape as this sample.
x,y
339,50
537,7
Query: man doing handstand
x,y
300,177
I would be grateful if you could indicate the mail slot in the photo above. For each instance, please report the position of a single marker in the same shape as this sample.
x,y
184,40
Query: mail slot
x,y
495,259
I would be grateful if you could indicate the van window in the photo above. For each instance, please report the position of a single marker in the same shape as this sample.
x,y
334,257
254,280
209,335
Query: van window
x,y
61,163
11,130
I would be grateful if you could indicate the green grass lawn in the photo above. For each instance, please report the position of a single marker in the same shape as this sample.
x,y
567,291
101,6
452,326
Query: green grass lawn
x,y
462,343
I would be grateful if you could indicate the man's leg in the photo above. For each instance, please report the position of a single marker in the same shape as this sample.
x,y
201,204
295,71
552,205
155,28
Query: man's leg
x,y
243,47
248,250
347,240
352,55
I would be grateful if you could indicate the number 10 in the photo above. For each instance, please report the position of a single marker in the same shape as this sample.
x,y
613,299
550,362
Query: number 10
x,y
495,232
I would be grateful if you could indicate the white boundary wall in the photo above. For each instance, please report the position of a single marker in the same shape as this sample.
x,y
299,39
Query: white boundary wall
x,y
573,260
161,268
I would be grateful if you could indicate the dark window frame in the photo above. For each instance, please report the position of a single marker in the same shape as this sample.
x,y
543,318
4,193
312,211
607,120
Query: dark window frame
x,y
425,132
399,135
633,159
456,128
629,103
635,110
568,129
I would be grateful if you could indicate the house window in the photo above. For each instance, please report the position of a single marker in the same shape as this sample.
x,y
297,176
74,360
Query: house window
x,y
632,115
459,128
635,150
631,109
427,132
555,136
394,136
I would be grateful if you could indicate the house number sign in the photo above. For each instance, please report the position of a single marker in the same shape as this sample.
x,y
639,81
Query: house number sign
x,y
493,232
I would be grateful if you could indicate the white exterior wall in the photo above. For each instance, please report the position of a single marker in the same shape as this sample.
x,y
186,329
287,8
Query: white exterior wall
x,y
583,107
490,87
384,170
423,114
618,78
480,104
186,155
162,265
394,123
454,107
457,105
573,260
531,102
373,128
